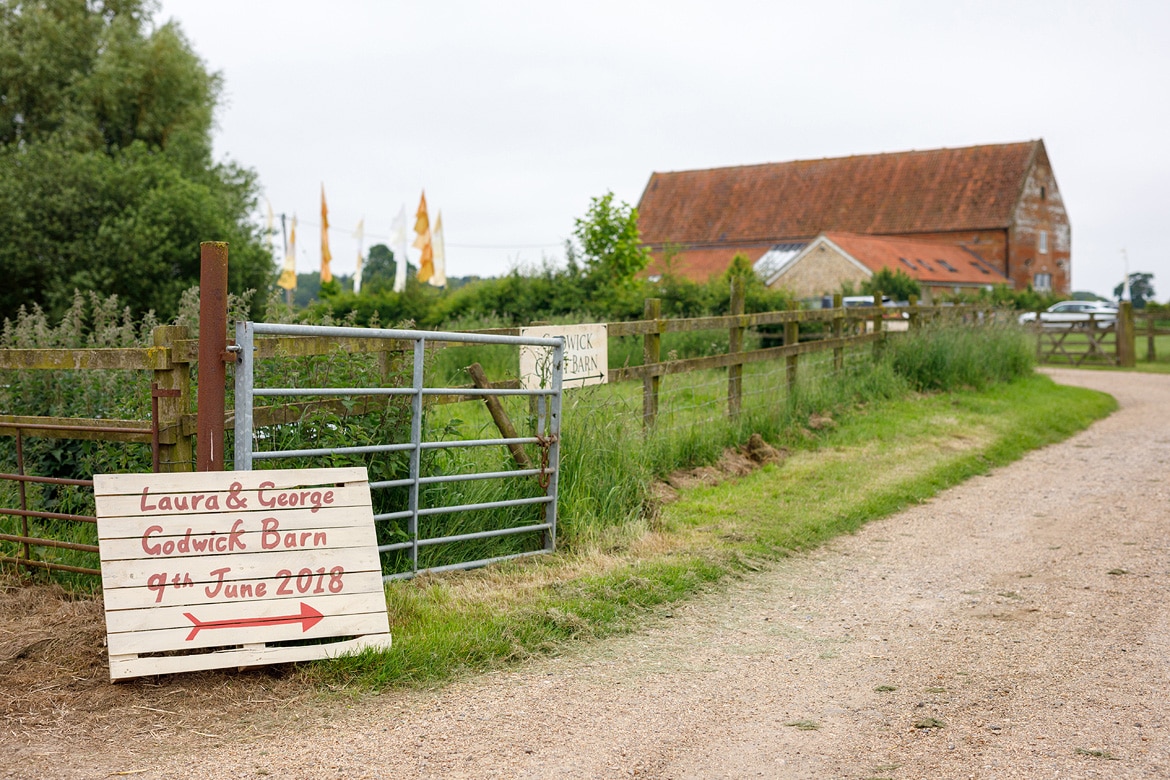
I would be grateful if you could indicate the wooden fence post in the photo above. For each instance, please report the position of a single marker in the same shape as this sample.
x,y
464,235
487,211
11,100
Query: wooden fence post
x,y
651,354
499,416
838,331
176,452
878,311
1126,348
914,323
734,345
791,338
1151,331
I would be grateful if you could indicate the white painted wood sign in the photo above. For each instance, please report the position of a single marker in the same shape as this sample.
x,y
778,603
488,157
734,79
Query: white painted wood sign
x,y
586,355
207,570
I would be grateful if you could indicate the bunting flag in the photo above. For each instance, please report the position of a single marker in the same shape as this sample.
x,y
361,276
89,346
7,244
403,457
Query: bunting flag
x,y
360,235
270,228
422,229
398,246
326,257
288,274
439,277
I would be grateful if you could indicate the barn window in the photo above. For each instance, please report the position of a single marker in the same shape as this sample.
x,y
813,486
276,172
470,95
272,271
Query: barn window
x,y
1042,282
1043,194
1043,247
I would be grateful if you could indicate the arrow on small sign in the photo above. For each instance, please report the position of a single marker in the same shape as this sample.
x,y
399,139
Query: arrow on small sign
x,y
309,617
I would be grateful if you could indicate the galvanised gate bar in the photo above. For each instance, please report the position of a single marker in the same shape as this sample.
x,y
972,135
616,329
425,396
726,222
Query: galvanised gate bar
x,y
548,426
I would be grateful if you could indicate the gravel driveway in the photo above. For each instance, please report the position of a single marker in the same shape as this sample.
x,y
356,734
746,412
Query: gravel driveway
x,y
1014,626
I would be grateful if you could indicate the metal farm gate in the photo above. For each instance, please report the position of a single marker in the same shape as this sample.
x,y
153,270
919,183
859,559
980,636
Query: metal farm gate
x,y
547,435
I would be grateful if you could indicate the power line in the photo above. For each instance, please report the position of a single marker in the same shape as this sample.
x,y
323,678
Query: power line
x,y
387,237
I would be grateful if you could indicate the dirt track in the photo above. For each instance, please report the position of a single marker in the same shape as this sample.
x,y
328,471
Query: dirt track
x,y
1023,614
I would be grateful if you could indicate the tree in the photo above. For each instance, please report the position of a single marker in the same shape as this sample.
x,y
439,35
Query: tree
x,y
896,284
1141,289
611,249
106,178
379,269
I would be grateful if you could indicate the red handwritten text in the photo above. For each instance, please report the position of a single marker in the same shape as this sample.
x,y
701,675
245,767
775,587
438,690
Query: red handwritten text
x,y
271,538
292,498
199,543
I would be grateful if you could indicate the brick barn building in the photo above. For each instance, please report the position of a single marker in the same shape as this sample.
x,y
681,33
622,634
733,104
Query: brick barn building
x,y
999,202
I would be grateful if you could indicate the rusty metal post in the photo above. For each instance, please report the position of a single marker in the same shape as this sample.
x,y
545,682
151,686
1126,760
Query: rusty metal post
x,y
213,281
23,496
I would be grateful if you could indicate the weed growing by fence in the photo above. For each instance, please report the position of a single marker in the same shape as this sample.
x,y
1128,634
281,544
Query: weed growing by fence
x,y
948,357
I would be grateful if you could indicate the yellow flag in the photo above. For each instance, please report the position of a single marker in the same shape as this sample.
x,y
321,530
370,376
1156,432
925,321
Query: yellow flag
x,y
326,257
288,274
422,228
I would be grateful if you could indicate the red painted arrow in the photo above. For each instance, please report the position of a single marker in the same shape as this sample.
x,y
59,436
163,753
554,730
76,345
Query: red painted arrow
x,y
309,617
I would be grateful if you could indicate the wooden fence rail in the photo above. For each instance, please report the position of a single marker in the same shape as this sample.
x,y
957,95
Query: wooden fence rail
x,y
173,429
171,359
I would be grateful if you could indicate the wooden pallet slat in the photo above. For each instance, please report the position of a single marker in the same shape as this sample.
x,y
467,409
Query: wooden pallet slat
x,y
189,589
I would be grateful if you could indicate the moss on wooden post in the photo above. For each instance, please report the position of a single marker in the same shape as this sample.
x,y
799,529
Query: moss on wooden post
x,y
1151,332
651,354
1126,348
838,331
735,345
176,450
791,337
878,328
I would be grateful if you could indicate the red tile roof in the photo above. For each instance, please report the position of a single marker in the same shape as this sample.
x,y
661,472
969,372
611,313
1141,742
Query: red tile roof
x,y
699,265
932,191
928,262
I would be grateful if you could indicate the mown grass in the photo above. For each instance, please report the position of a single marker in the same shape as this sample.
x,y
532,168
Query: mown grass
x,y
879,458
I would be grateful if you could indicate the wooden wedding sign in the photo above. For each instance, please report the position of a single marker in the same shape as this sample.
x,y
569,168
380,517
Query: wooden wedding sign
x,y
218,569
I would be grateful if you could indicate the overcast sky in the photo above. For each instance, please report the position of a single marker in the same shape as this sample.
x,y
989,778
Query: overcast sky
x,y
513,115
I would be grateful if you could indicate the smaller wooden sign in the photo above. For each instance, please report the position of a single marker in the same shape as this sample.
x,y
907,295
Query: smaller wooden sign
x,y
217,569
586,355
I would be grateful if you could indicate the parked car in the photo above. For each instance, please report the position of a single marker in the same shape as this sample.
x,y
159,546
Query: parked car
x,y
855,301
1074,314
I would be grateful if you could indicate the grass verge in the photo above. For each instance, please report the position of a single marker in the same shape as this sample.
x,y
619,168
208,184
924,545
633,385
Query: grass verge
x,y
879,458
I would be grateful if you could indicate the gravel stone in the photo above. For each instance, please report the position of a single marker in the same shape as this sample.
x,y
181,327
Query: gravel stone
x,y
987,613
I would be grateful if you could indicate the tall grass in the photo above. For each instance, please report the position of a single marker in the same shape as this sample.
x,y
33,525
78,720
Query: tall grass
x,y
950,357
609,461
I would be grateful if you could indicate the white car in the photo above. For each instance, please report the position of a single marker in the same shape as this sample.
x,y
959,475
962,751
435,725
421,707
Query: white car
x,y
1074,314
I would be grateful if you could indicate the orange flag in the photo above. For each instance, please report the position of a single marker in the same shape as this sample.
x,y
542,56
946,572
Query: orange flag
x,y
422,242
326,257
422,228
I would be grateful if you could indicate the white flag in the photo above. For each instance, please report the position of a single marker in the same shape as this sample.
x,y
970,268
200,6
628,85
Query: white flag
x,y
439,278
270,228
399,248
360,235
